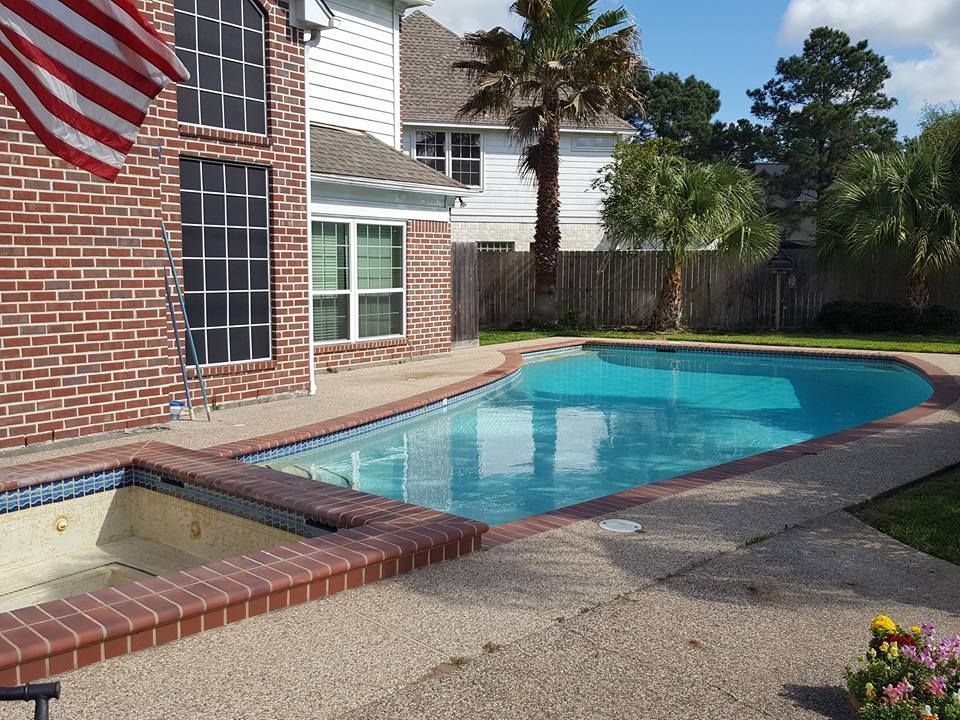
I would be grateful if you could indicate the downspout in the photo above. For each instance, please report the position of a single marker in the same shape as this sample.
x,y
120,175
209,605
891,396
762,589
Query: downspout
x,y
310,39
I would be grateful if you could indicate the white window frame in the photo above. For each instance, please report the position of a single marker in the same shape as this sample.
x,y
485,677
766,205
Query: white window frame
x,y
354,291
496,246
448,150
588,143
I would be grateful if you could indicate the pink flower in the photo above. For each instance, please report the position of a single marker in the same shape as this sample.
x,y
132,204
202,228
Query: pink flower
x,y
909,652
937,686
894,693
927,629
927,659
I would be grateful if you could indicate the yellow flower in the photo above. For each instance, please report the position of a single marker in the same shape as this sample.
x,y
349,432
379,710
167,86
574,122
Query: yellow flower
x,y
915,629
884,646
869,691
893,652
881,623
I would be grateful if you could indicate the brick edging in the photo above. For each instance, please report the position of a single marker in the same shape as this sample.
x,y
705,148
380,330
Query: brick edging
x,y
377,538
380,537
946,392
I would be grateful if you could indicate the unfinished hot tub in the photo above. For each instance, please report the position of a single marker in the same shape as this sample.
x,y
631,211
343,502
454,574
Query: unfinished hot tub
x,y
116,535
114,551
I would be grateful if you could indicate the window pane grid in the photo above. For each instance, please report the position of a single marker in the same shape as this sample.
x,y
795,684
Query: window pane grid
x,y
431,150
226,260
362,300
379,257
461,159
381,314
221,43
465,154
330,251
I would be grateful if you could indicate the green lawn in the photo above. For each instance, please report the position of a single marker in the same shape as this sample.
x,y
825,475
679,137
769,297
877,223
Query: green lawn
x,y
925,516
901,343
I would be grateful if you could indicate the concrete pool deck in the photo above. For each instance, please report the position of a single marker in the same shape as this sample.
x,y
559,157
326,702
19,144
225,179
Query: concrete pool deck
x,y
682,621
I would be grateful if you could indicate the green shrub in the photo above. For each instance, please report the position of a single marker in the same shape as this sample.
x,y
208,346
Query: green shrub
x,y
881,317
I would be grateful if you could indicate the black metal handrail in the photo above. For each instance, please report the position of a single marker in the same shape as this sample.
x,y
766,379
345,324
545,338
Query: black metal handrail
x,y
40,693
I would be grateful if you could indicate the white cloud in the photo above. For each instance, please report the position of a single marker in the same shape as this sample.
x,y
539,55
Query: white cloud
x,y
895,25
463,16
934,79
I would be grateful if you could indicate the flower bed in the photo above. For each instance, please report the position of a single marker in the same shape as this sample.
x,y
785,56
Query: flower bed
x,y
907,674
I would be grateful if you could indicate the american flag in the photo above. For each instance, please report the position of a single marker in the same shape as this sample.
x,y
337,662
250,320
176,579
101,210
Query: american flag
x,y
83,73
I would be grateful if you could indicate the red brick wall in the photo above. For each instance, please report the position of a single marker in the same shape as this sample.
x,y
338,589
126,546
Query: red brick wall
x,y
85,341
428,305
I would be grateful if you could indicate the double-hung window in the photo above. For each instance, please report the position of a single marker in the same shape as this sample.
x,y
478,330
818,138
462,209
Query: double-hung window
x,y
457,155
358,280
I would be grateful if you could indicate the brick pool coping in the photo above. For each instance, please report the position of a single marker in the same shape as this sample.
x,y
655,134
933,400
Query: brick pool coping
x,y
377,538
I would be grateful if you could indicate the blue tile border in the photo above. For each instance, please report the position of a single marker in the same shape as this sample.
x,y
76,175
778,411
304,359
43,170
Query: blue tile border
x,y
265,456
85,485
49,493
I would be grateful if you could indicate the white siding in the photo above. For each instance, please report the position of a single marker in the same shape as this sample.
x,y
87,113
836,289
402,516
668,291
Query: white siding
x,y
508,198
352,70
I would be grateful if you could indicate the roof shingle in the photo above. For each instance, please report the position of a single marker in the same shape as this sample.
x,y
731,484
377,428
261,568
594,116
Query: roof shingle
x,y
432,90
355,154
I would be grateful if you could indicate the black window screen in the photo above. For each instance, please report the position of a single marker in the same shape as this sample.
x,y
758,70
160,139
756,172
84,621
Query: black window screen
x,y
226,262
221,43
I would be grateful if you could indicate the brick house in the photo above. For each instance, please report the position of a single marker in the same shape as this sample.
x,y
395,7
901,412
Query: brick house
x,y
304,237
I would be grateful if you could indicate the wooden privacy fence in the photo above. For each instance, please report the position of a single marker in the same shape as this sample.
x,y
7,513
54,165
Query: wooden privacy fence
x,y
464,288
621,288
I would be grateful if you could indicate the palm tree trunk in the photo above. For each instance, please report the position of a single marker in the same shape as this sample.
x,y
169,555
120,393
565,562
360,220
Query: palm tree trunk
x,y
918,292
546,239
669,310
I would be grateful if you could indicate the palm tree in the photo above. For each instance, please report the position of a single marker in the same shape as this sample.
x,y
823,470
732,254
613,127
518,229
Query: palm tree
x,y
657,200
569,65
907,201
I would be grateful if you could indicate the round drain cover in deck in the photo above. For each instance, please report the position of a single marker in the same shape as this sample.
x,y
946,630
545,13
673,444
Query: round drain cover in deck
x,y
621,526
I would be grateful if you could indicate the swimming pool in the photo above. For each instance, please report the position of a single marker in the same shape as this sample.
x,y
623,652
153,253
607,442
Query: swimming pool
x,y
574,426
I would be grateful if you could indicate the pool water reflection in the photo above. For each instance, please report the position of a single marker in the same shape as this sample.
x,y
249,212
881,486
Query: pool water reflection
x,y
584,425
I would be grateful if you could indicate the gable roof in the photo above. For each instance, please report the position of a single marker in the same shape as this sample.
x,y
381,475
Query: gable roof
x,y
354,154
432,90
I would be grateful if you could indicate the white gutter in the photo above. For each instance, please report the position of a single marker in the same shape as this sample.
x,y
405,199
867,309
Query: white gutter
x,y
395,185
481,126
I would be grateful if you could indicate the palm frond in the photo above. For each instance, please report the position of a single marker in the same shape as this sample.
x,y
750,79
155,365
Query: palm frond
x,y
904,201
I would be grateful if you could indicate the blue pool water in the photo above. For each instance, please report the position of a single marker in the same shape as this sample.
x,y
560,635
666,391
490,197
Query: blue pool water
x,y
591,423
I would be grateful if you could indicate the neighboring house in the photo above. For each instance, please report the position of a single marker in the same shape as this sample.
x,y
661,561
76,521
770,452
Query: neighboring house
x,y
480,153
380,222
802,234
304,237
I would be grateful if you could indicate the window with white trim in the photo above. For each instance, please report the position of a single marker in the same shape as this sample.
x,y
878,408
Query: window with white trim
x,y
457,155
226,259
221,43
358,280
592,143
495,246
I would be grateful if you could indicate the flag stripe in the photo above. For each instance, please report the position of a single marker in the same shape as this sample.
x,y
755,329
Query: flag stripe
x,y
61,65
56,126
84,46
83,74
142,34
126,41
63,102
67,150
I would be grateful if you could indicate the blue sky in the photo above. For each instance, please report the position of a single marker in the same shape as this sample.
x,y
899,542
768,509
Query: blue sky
x,y
734,44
